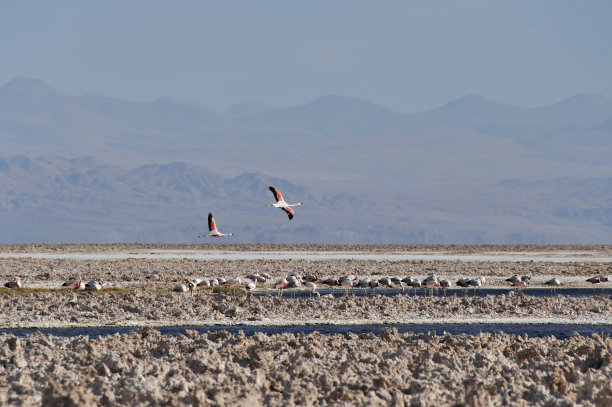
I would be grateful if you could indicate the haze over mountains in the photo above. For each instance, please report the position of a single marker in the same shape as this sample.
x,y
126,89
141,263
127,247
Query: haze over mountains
x,y
95,169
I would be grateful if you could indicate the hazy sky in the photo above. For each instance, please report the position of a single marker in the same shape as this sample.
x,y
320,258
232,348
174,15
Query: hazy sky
x,y
406,55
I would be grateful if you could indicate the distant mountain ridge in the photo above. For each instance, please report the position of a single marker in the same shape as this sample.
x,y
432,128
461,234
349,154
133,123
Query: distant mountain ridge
x,y
149,171
55,199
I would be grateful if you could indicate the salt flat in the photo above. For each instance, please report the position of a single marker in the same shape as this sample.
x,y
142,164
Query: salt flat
x,y
535,256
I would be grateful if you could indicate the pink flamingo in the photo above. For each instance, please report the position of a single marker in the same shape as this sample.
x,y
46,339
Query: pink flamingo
x,y
16,283
312,286
212,229
75,284
594,280
347,284
232,282
280,203
280,284
181,288
94,285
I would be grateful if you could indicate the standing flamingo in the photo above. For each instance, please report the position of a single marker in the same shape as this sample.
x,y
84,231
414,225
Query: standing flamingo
x,y
347,284
280,284
364,283
312,286
553,282
311,278
191,286
520,284
444,283
280,203
332,282
212,229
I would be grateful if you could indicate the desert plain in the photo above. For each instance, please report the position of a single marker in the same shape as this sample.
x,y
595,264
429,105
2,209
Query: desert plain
x,y
145,367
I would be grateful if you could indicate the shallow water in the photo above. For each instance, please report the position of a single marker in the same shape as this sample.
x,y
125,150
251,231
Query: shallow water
x,y
560,331
440,292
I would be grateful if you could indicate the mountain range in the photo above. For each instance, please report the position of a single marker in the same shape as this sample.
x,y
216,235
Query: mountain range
x,y
96,169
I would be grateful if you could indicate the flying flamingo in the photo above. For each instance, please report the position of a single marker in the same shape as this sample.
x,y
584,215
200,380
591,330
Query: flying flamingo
x,y
212,229
16,283
280,203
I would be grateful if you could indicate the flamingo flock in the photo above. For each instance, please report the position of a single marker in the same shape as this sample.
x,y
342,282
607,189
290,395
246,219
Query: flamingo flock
x,y
311,282
75,284
79,284
601,278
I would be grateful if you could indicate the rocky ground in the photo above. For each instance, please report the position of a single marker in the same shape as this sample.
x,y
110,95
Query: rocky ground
x,y
149,307
147,368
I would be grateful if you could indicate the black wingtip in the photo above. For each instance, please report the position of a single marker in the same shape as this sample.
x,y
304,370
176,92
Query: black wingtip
x,y
290,216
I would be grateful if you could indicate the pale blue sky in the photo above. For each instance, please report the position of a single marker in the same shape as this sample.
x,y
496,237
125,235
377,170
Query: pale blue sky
x,y
406,55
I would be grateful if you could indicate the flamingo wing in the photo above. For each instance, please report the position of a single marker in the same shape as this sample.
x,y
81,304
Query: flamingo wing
x,y
277,195
211,223
289,212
